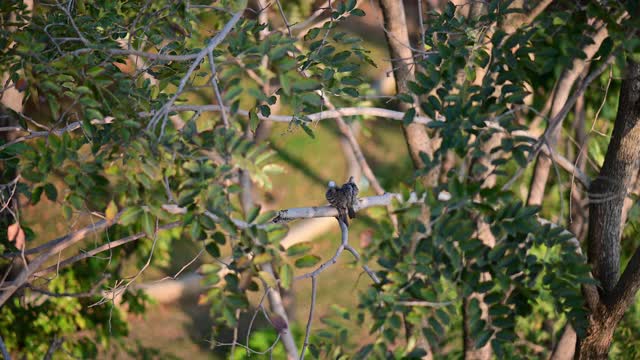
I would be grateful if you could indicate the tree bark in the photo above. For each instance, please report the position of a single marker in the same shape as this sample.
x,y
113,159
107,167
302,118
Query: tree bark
x,y
609,189
395,23
606,195
566,347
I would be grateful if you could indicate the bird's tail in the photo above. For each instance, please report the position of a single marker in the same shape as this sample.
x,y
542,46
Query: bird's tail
x,y
352,213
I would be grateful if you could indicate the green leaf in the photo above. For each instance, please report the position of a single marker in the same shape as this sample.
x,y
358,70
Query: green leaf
x,y
273,169
307,261
148,224
111,211
36,194
308,130
267,278
76,201
95,71
286,276
130,216
254,121
409,116
213,249
298,249
306,84
312,34
232,93
265,216
253,214
67,211
219,238
262,258
196,231
405,98
520,158
93,114
351,81
483,338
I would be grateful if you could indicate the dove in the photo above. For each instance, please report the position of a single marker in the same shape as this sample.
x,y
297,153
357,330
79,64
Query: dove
x,y
351,191
343,199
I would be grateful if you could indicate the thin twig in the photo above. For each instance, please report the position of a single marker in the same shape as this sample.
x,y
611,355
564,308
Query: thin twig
x,y
235,334
216,90
314,288
255,314
215,41
91,293
102,248
119,289
59,245
183,268
55,344
3,349
284,18
366,268
424,303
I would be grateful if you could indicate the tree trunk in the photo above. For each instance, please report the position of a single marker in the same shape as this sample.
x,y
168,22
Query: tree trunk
x,y
395,23
606,195
596,344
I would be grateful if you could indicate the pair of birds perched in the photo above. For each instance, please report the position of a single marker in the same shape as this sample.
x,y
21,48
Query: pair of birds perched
x,y
343,199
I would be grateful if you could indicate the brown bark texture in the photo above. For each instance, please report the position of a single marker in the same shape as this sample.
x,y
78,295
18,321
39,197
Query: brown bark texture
x,y
395,25
606,195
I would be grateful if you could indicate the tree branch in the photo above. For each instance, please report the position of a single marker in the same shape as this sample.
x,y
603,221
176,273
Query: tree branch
x,y
59,245
329,211
3,350
215,41
106,247
559,110
607,192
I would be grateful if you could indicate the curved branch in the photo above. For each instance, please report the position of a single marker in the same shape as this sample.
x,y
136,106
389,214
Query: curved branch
x,y
58,245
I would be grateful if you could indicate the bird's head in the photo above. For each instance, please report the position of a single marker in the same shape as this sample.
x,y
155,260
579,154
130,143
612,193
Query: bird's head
x,y
332,184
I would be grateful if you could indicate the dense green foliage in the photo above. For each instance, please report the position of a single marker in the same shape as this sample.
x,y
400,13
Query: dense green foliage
x,y
112,146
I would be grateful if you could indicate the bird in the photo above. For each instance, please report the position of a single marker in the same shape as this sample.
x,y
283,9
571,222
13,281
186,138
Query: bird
x,y
351,190
338,199
343,199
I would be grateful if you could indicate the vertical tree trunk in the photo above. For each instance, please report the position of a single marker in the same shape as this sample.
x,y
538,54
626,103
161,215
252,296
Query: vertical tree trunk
x,y
395,23
606,195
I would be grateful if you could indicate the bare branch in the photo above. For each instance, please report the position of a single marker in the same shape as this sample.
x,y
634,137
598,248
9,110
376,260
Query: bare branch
x,y
542,5
275,299
3,350
284,18
216,89
314,288
106,247
55,344
424,303
215,41
329,211
58,245
92,292
366,268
